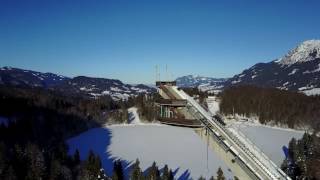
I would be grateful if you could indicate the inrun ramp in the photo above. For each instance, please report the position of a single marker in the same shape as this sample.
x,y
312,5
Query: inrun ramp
x,y
250,157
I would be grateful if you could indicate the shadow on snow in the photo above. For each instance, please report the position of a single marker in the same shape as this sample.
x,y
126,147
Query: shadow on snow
x,y
98,140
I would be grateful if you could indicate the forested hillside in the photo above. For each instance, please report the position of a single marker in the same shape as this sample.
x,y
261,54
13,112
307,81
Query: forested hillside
x,y
269,104
32,142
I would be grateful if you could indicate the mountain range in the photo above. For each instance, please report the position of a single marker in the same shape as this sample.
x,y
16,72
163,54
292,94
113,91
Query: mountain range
x,y
80,85
298,70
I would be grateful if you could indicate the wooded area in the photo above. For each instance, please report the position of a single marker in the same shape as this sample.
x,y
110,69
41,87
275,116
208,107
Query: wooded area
x,y
270,104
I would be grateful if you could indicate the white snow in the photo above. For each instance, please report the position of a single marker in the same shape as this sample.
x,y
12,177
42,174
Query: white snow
x,y
86,89
285,84
293,72
4,121
133,116
116,89
301,53
268,139
252,77
106,92
236,81
310,92
180,148
213,104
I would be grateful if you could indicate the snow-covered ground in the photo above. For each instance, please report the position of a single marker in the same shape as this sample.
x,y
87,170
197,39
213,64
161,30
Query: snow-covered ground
x,y
310,92
133,116
268,139
4,120
181,148
213,104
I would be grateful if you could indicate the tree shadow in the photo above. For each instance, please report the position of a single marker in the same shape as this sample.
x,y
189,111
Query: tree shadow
x,y
98,140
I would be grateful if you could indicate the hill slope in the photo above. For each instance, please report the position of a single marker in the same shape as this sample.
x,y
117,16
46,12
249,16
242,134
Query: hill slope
x,y
299,70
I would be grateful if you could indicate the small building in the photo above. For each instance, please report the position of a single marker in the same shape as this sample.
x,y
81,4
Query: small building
x,y
172,109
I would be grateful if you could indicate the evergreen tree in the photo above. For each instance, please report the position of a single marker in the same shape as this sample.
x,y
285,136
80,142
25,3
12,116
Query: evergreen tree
x,y
136,173
153,172
165,173
117,170
2,158
220,175
54,170
93,165
212,178
201,178
171,176
36,162
9,174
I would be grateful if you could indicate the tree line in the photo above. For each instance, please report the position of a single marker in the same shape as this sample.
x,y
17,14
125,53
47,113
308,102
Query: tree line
x,y
303,158
153,173
32,143
272,105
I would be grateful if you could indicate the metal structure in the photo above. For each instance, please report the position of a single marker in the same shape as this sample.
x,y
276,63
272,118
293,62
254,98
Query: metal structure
x,y
249,157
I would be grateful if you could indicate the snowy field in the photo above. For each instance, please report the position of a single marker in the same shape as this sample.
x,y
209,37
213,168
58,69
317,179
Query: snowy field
x,y
268,139
181,148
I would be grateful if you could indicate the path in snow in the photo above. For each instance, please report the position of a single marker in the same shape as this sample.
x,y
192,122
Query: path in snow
x,y
213,104
133,116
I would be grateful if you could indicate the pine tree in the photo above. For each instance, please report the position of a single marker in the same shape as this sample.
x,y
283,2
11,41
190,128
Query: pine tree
x,y
171,176
165,173
220,175
201,178
36,162
212,178
2,158
9,174
93,165
153,172
54,170
136,173
117,170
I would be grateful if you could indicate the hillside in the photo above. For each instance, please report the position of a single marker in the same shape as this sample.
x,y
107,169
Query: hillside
x,y
80,85
299,70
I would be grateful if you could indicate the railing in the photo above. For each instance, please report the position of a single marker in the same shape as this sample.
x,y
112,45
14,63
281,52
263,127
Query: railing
x,y
258,157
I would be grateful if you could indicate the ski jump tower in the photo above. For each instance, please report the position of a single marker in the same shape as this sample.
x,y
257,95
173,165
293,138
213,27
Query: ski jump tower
x,y
172,108
178,108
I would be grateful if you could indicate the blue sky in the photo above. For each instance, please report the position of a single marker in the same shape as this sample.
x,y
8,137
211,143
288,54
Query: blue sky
x,y
126,39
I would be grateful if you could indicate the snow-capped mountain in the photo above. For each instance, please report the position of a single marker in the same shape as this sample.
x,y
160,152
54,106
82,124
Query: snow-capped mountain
x,y
26,78
204,83
307,51
81,85
95,87
299,70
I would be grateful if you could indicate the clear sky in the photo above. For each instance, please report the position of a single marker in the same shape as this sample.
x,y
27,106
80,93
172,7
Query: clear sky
x,y
126,39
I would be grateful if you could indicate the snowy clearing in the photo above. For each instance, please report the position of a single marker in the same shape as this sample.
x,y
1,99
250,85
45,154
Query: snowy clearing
x,y
181,148
268,139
